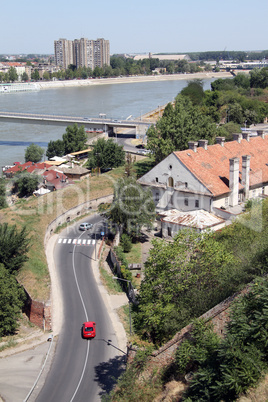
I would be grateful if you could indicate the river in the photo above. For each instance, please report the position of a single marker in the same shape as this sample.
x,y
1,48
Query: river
x,y
117,101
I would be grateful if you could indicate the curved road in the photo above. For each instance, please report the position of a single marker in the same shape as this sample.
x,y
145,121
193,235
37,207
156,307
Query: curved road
x,y
82,369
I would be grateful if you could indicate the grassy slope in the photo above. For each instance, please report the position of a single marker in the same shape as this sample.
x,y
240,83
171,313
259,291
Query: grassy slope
x,y
37,213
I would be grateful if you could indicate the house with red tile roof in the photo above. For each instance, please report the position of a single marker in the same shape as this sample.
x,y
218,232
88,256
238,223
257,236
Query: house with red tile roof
x,y
53,180
29,166
215,178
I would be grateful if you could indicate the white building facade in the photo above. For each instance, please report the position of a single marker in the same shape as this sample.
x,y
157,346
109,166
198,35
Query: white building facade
x,y
214,178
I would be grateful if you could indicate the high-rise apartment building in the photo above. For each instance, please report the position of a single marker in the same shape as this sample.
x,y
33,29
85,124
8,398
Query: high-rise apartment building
x,y
63,50
82,52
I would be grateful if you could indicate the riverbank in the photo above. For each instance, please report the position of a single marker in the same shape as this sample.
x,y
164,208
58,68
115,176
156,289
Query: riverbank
x,y
129,80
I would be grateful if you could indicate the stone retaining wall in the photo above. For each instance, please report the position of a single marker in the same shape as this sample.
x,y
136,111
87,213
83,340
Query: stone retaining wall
x,y
39,312
218,315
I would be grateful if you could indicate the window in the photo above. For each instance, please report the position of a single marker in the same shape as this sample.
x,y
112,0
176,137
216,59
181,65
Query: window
x,y
170,167
197,203
186,202
170,182
186,184
156,197
169,231
156,179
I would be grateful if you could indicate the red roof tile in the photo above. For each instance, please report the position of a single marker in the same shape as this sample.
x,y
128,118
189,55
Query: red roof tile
x,y
29,166
211,166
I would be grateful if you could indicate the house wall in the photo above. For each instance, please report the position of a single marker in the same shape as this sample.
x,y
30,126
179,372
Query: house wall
x,y
172,183
171,229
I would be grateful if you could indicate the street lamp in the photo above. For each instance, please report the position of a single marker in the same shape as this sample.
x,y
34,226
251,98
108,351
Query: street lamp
x,y
125,280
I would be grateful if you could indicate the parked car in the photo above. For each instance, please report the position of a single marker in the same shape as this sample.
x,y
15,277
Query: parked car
x,y
85,226
89,329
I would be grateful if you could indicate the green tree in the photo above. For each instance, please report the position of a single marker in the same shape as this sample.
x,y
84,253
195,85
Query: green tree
x,y
46,76
194,90
242,81
12,298
74,139
24,77
98,72
132,206
34,153
25,184
35,75
3,203
106,154
236,113
183,279
259,78
227,368
14,246
55,148
180,124
12,74
125,243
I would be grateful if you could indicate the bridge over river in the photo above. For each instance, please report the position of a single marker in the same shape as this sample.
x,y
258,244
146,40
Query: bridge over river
x,y
101,123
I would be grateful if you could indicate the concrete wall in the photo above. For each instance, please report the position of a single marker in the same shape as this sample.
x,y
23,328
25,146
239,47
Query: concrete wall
x,y
74,213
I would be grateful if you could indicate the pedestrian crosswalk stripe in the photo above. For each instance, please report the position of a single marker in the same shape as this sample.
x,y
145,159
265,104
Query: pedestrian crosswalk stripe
x,y
80,242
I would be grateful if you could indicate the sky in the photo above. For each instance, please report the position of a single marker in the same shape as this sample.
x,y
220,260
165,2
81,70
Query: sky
x,y
140,26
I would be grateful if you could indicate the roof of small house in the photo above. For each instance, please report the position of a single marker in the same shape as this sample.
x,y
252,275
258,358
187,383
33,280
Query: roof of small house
x,y
198,219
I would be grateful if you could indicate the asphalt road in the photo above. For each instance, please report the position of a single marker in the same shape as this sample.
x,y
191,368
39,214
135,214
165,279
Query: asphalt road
x,y
81,369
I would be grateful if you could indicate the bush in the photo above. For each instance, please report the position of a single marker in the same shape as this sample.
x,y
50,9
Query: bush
x,y
227,368
125,243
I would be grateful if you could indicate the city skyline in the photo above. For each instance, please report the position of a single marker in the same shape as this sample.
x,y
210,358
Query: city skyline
x,y
143,27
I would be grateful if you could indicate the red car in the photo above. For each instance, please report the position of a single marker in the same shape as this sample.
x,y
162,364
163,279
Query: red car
x,y
89,329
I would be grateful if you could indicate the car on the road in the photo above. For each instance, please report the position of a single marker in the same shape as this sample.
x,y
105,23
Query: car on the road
x,y
116,121
89,329
142,146
85,226
87,118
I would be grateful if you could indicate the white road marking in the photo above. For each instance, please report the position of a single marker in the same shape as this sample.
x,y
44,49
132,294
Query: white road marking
x,y
84,242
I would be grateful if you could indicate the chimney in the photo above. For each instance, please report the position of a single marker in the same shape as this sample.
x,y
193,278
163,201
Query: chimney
x,y
233,180
246,136
237,137
192,145
260,133
203,144
245,174
220,141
